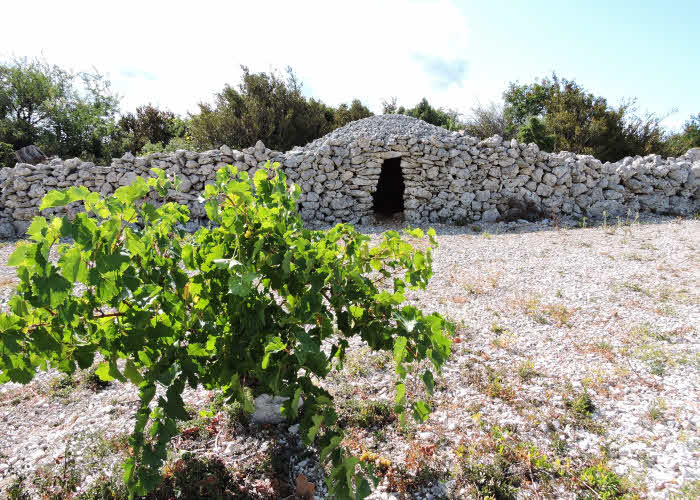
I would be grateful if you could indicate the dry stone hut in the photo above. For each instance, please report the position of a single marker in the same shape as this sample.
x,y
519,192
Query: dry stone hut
x,y
391,164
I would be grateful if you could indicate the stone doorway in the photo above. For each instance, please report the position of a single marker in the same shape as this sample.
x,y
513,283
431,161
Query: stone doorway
x,y
388,198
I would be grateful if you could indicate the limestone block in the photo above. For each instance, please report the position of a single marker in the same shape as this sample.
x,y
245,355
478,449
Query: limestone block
x,y
549,179
544,189
483,195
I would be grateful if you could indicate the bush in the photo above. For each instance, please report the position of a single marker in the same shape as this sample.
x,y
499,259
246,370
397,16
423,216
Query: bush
x,y
253,297
678,144
172,146
535,131
487,121
151,126
578,121
7,155
270,108
64,113
435,116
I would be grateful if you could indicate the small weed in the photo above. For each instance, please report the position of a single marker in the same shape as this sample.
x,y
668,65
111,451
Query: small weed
x,y
580,405
476,229
474,289
559,314
58,481
545,313
657,360
526,370
497,387
656,411
497,329
62,387
17,490
365,414
193,477
558,444
635,287
689,490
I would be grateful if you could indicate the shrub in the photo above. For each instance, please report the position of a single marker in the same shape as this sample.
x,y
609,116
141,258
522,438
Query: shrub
x,y
270,108
7,155
251,298
534,130
486,121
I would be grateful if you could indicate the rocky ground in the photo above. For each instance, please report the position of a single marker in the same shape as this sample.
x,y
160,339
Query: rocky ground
x,y
575,372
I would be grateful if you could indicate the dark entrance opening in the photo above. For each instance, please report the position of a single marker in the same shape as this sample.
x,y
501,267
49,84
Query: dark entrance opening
x,y
388,198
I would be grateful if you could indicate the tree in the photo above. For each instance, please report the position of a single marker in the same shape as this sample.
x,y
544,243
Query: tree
x,y
389,106
435,116
270,108
345,114
7,155
65,113
523,101
679,143
534,130
580,121
149,124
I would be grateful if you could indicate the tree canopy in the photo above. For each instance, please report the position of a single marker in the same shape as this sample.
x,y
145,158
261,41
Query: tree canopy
x,y
569,118
268,107
70,114
65,113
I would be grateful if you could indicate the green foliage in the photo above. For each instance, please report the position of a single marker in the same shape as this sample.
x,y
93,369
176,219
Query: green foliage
x,y
534,130
679,143
487,121
7,155
424,111
64,113
581,405
151,126
345,114
601,483
580,121
251,299
269,108
366,414
172,146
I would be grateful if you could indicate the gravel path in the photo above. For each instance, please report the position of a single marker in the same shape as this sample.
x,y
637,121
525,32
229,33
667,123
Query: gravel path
x,y
580,345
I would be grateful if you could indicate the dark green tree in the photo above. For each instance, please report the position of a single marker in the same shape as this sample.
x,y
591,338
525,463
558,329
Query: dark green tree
x,y
271,108
677,144
436,116
580,121
149,124
64,113
345,114
7,155
534,130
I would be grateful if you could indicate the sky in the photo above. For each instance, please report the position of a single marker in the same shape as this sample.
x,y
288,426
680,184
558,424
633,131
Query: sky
x,y
457,54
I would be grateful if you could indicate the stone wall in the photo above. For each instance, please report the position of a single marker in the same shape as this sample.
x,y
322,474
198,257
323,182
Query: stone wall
x,y
449,177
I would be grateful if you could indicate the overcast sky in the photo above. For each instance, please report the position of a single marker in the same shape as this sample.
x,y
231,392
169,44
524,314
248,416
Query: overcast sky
x,y
175,54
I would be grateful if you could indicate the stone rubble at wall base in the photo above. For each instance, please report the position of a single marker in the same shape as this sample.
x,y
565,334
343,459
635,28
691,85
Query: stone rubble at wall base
x,y
449,177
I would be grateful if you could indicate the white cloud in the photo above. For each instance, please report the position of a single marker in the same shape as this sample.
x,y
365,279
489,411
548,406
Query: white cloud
x,y
175,54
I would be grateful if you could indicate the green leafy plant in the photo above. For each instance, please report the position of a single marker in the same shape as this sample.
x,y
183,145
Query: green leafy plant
x,y
248,301
601,482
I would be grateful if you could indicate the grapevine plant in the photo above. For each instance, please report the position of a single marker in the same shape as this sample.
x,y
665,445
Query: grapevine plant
x,y
256,297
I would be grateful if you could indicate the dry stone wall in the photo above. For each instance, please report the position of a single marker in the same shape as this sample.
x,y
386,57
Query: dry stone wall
x,y
448,177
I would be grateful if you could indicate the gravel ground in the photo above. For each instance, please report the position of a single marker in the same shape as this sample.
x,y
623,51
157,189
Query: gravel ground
x,y
576,348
